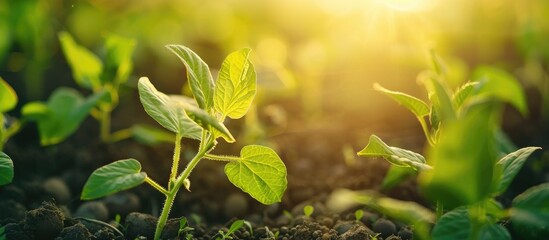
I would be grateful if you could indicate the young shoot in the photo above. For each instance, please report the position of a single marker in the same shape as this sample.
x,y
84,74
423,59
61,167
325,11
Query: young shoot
x,y
359,214
232,229
258,170
308,210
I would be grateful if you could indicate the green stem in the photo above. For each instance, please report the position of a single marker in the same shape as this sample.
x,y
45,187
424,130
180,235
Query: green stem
x,y
439,210
172,192
221,158
426,131
121,135
105,125
175,162
156,186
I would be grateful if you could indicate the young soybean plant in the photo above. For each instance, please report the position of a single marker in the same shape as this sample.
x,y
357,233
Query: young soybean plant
x,y
258,170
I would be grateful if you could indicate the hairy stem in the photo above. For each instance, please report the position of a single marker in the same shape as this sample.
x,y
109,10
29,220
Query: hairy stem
x,y
176,157
156,186
221,158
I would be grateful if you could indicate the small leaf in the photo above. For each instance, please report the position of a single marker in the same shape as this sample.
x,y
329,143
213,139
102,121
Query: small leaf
x,y
396,175
34,111
530,212
202,118
8,97
496,83
86,66
260,173
6,169
118,59
457,225
198,74
510,166
359,214
113,178
235,226
416,106
397,156
66,111
462,93
236,85
151,135
308,210
166,111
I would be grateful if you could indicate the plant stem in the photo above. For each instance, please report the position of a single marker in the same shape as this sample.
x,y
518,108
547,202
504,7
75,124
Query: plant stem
x,y
221,158
426,131
156,186
172,191
121,135
175,162
439,210
105,125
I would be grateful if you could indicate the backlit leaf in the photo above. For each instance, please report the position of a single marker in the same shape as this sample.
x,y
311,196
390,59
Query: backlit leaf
x,y
396,175
416,106
118,59
496,83
8,97
166,111
236,85
66,111
86,66
151,135
397,156
198,74
510,165
457,225
34,110
530,212
6,169
260,173
462,93
113,178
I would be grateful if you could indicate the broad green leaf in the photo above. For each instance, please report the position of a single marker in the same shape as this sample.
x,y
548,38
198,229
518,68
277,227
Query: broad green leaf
x,y
118,59
8,97
198,74
416,106
530,212
236,85
396,175
112,178
66,111
462,93
510,165
260,173
202,118
397,156
463,160
166,111
86,66
496,83
34,111
457,225
6,169
151,135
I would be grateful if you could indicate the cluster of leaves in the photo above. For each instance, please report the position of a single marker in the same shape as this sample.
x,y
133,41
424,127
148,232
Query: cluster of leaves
x,y
258,170
461,171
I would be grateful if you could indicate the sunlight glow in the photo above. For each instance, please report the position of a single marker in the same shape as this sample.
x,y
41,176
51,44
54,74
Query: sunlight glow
x,y
407,5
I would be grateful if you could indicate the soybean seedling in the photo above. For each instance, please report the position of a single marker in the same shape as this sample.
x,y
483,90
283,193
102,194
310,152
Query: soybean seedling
x,y
308,210
359,214
184,228
258,170
232,229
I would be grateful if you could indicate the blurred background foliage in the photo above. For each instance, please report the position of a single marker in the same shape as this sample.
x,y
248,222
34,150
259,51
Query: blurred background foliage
x,y
316,59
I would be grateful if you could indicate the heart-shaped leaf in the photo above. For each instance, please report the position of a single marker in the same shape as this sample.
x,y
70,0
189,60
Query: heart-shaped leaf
x,y
510,165
113,178
66,111
397,156
236,85
416,106
198,74
8,97
166,111
6,169
260,173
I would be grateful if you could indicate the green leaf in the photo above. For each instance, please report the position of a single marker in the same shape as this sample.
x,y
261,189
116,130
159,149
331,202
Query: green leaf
x,y
308,210
202,118
66,111
166,111
8,97
6,169
260,173
118,59
416,106
530,212
397,156
151,135
235,226
34,111
463,160
457,225
496,83
462,93
396,175
510,165
113,178
236,85
198,74
86,66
